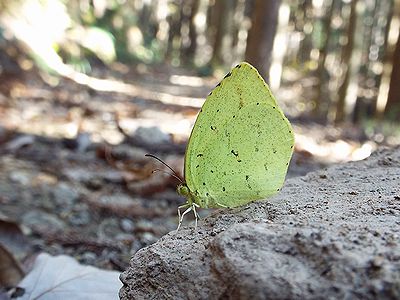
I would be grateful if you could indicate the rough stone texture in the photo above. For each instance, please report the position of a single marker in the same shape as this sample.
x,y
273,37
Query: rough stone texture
x,y
332,234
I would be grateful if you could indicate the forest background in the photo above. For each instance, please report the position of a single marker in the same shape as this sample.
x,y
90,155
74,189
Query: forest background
x,y
345,52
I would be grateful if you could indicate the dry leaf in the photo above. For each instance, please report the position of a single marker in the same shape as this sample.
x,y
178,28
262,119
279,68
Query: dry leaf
x,y
10,271
62,277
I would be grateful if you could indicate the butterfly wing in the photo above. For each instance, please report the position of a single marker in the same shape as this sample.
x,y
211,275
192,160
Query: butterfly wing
x,y
240,145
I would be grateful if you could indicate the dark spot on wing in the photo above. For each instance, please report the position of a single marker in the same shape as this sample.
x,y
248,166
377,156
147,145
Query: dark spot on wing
x,y
217,110
234,116
204,183
226,133
234,153
241,103
197,166
258,103
199,155
218,84
256,149
239,160
227,75
223,189
273,107
247,177
274,151
207,194
238,66
212,171
213,127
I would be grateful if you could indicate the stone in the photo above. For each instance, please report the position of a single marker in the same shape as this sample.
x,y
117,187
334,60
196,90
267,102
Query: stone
x,y
65,194
20,176
43,222
331,234
127,225
151,135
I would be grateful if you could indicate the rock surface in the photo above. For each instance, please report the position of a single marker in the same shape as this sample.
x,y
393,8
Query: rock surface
x,y
331,234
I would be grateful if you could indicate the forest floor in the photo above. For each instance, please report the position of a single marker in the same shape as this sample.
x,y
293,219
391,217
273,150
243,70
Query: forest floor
x,y
74,179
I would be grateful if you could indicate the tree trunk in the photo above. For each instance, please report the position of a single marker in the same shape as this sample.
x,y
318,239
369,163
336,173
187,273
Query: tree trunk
x,y
346,59
362,103
307,19
217,30
189,51
392,110
174,33
261,35
323,98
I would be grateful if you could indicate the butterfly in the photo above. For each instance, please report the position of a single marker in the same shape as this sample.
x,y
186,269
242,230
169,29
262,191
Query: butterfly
x,y
240,146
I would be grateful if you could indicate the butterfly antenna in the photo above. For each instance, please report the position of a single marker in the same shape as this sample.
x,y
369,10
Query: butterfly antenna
x,y
174,174
166,172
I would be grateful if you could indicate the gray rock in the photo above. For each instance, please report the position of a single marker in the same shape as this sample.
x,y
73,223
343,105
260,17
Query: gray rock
x,y
127,225
78,174
65,194
19,142
42,222
126,151
151,135
332,234
20,176
80,215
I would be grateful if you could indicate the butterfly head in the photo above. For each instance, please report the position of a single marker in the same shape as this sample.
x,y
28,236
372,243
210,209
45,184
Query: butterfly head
x,y
183,190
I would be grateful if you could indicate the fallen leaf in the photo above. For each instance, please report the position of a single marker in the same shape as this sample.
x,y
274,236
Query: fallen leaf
x,y
10,271
12,238
62,277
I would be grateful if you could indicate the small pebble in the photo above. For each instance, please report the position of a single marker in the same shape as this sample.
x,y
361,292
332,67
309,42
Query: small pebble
x,y
127,225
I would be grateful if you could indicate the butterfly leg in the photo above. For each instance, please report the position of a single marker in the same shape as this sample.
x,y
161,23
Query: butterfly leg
x,y
221,205
196,215
180,207
188,209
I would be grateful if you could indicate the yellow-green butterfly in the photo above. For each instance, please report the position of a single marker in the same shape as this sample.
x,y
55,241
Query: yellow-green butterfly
x,y
240,146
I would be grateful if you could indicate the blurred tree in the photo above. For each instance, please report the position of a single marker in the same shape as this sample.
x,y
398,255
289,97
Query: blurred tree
x,y
305,16
189,46
323,98
261,35
174,33
376,25
346,62
392,110
238,19
218,27
174,21
10,71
